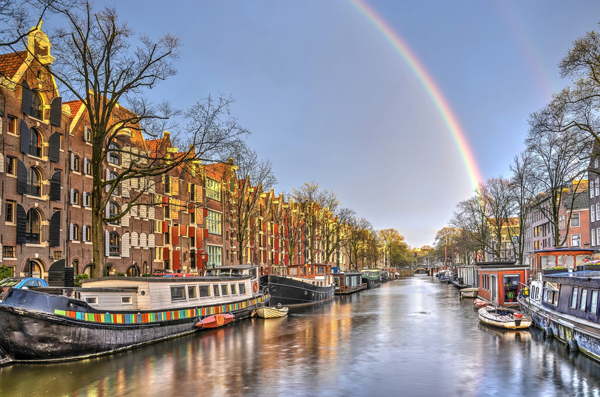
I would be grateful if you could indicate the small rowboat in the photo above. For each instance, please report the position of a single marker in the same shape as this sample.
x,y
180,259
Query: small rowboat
x,y
480,303
271,312
504,318
469,292
216,321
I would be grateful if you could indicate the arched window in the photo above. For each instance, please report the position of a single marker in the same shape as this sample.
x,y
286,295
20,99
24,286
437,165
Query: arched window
x,y
76,266
87,199
113,155
37,106
88,270
35,143
88,168
76,164
87,233
34,182
75,232
33,228
114,244
113,210
76,197
113,176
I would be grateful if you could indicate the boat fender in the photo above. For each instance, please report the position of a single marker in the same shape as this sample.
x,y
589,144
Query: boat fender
x,y
255,287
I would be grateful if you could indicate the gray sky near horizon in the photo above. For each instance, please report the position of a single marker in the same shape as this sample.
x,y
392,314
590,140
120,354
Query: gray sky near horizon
x,y
328,99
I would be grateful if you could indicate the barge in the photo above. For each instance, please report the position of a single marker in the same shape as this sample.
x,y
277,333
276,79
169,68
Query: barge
x,y
302,285
348,283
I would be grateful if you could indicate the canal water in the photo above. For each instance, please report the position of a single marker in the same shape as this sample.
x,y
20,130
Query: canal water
x,y
410,337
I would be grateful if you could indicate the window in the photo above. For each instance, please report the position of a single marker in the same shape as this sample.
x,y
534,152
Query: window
x,y
87,199
75,232
213,189
88,134
575,220
575,240
192,292
234,289
114,244
88,168
113,210
8,251
214,256
87,234
242,288
126,300
215,290
57,255
117,190
593,239
224,289
10,211
35,143
591,189
76,197
320,270
12,124
11,165
597,189
76,165
592,213
34,182
214,222
177,293
583,303
594,302
204,291
33,227
37,106
91,300
113,155
574,298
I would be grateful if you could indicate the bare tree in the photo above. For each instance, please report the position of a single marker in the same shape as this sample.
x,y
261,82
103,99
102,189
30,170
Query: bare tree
x,y
104,65
359,229
522,185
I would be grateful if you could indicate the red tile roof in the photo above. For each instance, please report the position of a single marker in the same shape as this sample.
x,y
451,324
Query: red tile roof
x,y
75,106
10,63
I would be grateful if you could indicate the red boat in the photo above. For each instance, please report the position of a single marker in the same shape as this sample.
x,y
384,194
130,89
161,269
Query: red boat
x,y
480,303
216,321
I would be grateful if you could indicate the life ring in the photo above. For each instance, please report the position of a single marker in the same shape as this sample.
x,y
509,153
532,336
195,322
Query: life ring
x,y
255,287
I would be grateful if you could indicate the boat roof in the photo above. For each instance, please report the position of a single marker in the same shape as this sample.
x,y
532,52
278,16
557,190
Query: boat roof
x,y
166,279
233,267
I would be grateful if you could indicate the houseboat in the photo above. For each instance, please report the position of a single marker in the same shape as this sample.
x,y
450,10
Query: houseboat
x,y
300,285
348,282
564,303
501,282
117,313
371,277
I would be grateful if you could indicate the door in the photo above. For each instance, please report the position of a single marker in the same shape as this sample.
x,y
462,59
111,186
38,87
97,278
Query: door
x,y
494,289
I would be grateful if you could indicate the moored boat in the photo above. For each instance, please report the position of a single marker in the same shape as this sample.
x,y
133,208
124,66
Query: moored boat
x,y
215,321
372,278
302,285
503,317
118,313
348,282
469,292
271,312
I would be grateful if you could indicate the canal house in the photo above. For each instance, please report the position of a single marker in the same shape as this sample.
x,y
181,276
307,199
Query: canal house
x,y
500,282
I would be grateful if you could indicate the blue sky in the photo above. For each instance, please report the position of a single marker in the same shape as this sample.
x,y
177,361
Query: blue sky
x,y
328,99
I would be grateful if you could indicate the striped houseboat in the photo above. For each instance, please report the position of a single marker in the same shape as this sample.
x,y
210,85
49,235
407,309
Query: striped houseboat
x,y
118,313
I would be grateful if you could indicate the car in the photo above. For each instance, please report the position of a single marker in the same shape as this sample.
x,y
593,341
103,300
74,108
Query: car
x,y
20,283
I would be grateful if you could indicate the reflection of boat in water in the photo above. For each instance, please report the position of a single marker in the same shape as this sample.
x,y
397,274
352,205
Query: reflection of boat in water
x,y
119,313
503,318
508,335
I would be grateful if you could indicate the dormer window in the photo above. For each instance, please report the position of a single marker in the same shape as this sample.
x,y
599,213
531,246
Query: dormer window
x,y
37,106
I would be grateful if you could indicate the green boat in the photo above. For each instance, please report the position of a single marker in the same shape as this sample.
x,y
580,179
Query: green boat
x,y
372,278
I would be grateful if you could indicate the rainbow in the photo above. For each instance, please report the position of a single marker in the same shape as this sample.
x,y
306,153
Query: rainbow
x,y
433,91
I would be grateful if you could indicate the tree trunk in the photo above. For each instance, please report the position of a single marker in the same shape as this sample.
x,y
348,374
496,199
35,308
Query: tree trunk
x,y
98,243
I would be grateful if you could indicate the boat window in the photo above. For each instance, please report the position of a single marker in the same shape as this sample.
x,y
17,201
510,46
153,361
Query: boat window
x,y
192,292
555,298
126,300
177,293
574,298
594,303
91,300
242,288
215,289
293,271
320,270
511,288
224,289
310,270
253,272
235,272
204,291
545,295
233,289
583,303
302,272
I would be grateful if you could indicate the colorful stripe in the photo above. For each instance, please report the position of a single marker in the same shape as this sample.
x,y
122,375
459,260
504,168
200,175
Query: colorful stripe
x,y
143,318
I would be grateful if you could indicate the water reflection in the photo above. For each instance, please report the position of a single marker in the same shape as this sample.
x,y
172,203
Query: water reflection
x,y
411,337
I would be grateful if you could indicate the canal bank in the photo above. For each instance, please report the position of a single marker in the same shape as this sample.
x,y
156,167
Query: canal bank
x,y
411,336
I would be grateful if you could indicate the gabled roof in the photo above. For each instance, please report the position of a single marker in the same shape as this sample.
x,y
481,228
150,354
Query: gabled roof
x,y
74,106
11,62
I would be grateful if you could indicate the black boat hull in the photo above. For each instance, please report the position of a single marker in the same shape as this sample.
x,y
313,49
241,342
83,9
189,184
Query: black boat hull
x,y
30,335
292,292
371,283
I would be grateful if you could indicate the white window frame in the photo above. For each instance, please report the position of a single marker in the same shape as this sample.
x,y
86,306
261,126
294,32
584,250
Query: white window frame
x,y
126,300
575,217
576,237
